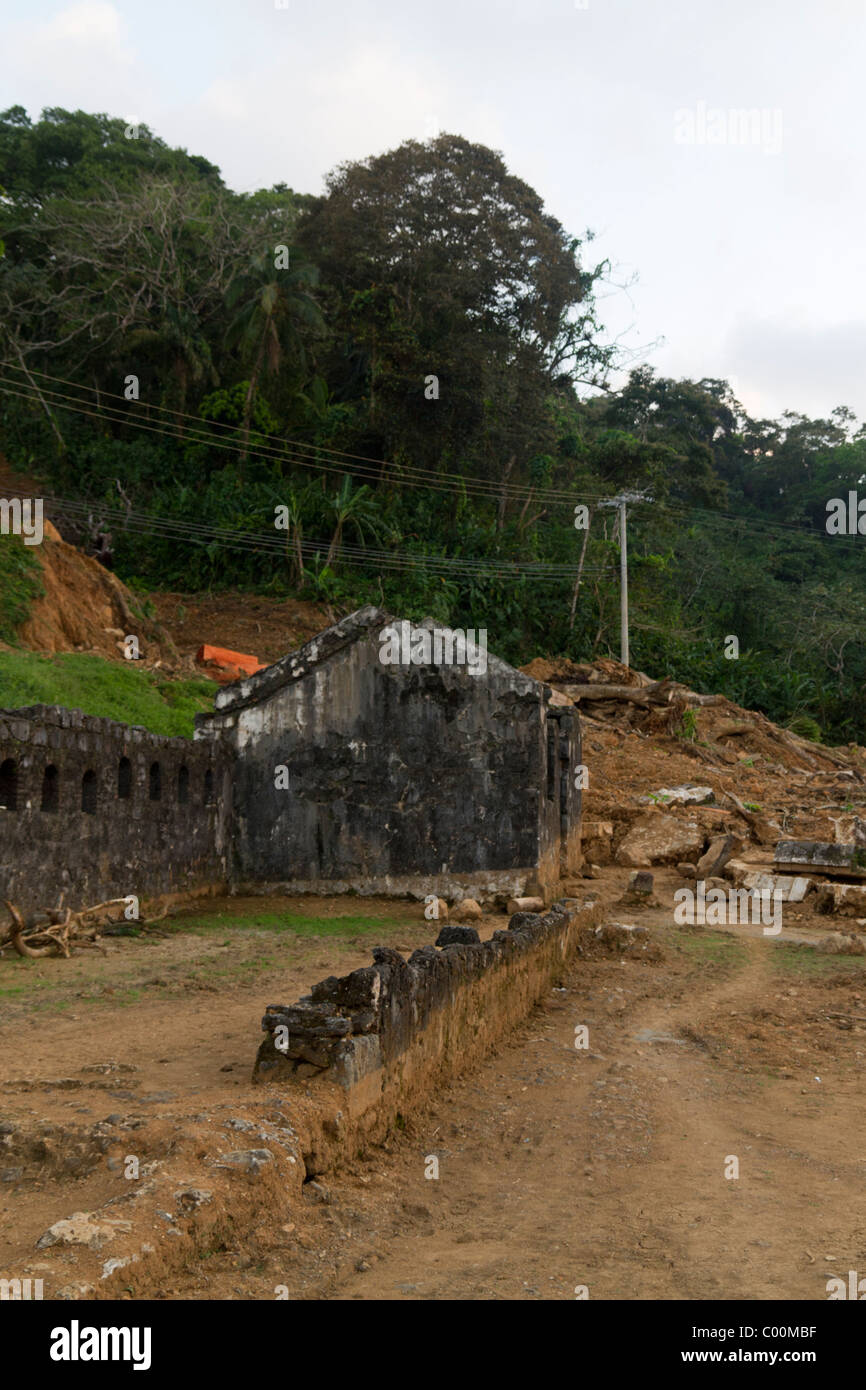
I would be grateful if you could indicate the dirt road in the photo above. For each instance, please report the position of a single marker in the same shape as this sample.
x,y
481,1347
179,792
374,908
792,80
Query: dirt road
x,y
559,1167
606,1167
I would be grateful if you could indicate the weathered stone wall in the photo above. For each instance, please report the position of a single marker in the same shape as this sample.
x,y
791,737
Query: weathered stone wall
x,y
386,1034
396,774
96,809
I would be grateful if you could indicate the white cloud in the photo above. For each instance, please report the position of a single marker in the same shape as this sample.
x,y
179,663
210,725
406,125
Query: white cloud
x,y
93,22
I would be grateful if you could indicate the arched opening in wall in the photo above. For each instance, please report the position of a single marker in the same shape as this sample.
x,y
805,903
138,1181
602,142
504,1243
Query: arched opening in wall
x,y
155,781
89,792
208,788
183,784
124,779
50,789
9,785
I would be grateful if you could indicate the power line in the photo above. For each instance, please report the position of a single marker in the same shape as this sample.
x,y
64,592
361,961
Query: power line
x,y
297,450
308,456
197,533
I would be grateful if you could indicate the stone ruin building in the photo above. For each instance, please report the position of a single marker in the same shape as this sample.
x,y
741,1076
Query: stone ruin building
x,y
328,771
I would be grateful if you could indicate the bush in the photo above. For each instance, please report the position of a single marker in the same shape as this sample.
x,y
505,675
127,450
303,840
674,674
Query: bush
x,y
20,584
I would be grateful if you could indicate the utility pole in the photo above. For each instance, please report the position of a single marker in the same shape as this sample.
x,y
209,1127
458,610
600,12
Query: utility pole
x,y
620,502
623,585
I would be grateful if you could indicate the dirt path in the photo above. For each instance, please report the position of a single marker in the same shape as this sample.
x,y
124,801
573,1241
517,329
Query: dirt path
x,y
606,1167
558,1166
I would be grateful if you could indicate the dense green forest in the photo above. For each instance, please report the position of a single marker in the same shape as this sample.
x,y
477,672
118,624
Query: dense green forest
x,y
413,368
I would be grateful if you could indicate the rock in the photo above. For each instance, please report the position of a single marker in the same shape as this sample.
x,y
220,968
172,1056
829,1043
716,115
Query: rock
x,y
468,910
79,1229
811,854
595,839
849,830
367,1020
790,890
250,1161
596,829
305,1070
837,944
716,883
640,882
669,796
458,936
847,899
721,849
620,935
191,1198
522,921
318,1191
659,839
687,870
525,905
735,871
313,1056
359,990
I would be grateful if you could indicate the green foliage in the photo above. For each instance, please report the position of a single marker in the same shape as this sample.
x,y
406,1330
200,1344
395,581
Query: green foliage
x,y
303,385
111,689
688,726
347,924
806,727
20,584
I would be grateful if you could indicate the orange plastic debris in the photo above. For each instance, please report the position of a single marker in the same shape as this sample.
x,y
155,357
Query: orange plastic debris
x,y
228,661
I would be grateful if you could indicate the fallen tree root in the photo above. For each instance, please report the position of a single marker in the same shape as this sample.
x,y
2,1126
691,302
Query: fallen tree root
x,y
58,930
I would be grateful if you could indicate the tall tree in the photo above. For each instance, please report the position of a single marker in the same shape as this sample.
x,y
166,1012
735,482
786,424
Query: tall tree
x,y
271,307
437,262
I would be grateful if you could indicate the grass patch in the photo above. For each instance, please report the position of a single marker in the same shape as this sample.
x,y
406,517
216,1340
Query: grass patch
x,y
810,964
349,925
707,947
115,690
20,584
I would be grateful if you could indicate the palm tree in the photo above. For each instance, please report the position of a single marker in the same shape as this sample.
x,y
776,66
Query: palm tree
x,y
353,505
270,305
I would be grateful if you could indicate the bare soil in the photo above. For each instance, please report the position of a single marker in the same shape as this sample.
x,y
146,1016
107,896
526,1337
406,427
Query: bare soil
x,y
250,623
559,1167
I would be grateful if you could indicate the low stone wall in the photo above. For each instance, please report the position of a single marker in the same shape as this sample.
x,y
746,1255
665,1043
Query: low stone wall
x,y
388,1033
485,887
95,809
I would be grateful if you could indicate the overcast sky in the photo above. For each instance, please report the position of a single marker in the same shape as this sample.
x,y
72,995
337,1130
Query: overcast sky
x,y
748,240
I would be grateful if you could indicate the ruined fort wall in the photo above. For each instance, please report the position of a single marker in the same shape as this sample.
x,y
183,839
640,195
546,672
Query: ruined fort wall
x,y
95,809
377,1041
393,775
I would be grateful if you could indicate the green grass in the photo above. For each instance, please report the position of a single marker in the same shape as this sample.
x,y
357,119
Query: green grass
x,y
707,947
113,689
286,922
804,961
20,584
